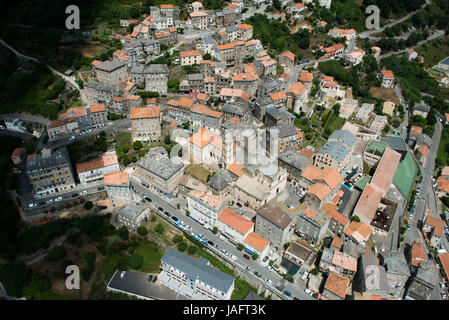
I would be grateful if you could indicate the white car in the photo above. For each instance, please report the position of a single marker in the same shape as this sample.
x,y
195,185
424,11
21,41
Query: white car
x,y
32,205
269,267
268,281
58,199
122,274
308,292
233,257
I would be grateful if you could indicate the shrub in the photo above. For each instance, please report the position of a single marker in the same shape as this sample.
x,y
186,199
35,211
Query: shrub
x,y
182,246
137,145
240,247
123,233
55,254
159,228
255,256
142,230
135,261
88,205
153,218
125,148
177,238
192,250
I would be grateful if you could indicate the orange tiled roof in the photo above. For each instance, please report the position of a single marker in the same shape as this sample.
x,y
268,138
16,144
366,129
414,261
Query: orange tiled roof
x,y
235,221
435,223
118,178
204,137
308,153
337,242
236,168
415,130
387,73
296,88
244,26
337,284
330,176
288,54
319,190
306,76
276,96
344,261
190,53
145,112
105,160
257,241
166,6
424,150
418,254
199,108
443,184
444,259
98,108
337,216
245,77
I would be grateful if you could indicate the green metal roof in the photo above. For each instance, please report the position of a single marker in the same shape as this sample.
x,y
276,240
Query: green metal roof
x,y
405,174
363,181
376,147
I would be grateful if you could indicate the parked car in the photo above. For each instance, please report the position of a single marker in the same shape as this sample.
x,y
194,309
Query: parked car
x,y
287,293
210,243
148,199
246,256
174,218
268,281
248,268
167,214
269,267
443,295
160,209
257,274
265,259
307,291
122,274
58,199
150,277
239,204
442,286
233,257
100,188
154,278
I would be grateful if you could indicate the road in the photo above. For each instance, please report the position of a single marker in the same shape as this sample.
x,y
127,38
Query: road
x,y
297,290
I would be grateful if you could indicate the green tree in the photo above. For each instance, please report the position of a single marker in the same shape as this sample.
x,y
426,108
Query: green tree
x,y
182,246
88,205
126,160
215,230
240,247
40,282
192,250
355,218
159,228
255,256
137,145
167,139
55,254
153,218
286,245
14,278
123,233
142,231
135,261
207,56
177,238
125,148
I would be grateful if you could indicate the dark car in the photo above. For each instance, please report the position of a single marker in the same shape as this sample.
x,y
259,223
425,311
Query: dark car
x,y
294,298
257,274
210,243
160,209
100,188
174,218
167,214
239,204
148,199
265,259
150,277
75,195
430,256
246,256
155,278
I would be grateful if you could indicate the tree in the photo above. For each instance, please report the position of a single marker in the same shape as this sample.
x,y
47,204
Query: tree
x,y
123,233
187,213
167,139
286,245
355,218
55,254
192,250
177,238
135,261
125,148
159,228
182,246
207,56
14,278
88,205
240,247
126,160
40,282
186,125
277,4
178,205
137,145
153,218
215,230
142,231
255,256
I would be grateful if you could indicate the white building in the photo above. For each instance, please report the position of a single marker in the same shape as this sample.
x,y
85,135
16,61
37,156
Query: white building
x,y
194,278
94,170
204,207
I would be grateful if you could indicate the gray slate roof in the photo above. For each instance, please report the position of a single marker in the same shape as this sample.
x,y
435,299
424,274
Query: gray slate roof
x,y
195,77
235,109
221,179
395,262
198,269
344,135
131,211
371,260
110,65
98,86
150,69
285,130
279,113
294,159
421,106
275,215
336,149
163,168
395,142
56,158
